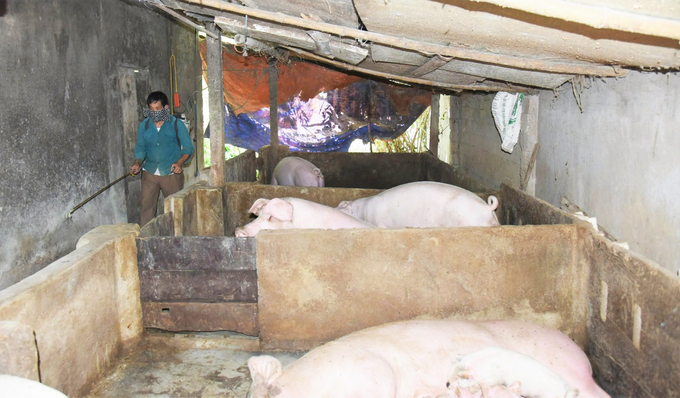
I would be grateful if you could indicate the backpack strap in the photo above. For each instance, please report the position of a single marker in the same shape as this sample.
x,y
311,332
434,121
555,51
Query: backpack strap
x,y
177,135
146,126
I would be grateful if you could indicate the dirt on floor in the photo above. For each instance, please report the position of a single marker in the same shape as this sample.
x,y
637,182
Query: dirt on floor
x,y
184,365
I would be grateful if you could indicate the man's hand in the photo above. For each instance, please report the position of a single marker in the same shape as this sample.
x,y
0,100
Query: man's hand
x,y
134,169
176,168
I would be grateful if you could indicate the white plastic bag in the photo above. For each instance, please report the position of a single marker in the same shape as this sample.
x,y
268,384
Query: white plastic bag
x,y
506,109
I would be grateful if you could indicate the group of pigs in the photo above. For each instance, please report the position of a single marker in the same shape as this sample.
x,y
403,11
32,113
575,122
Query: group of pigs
x,y
414,205
417,358
434,358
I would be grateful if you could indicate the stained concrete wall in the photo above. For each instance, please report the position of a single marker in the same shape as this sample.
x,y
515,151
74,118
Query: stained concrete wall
x,y
84,308
314,285
62,122
370,171
617,161
476,144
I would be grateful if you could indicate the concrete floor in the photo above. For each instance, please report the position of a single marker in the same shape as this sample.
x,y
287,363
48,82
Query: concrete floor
x,y
185,365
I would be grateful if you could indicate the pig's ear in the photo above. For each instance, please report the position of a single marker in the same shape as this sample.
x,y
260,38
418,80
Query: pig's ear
x,y
280,209
260,203
572,393
264,369
344,207
516,388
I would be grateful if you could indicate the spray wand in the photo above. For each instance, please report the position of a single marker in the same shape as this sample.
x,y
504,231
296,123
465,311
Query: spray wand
x,y
81,204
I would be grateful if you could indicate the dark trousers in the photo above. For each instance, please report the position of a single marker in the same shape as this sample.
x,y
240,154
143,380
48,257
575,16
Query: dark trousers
x,y
151,184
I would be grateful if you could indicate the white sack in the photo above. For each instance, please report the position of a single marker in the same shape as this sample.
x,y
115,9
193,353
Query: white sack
x,y
506,109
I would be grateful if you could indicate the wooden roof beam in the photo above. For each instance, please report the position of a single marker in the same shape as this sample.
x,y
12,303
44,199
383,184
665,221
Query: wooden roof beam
x,y
419,46
397,78
430,65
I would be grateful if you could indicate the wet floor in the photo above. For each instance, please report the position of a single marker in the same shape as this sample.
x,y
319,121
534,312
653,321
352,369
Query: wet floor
x,y
201,365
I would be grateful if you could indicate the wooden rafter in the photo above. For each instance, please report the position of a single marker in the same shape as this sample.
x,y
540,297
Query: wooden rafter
x,y
419,46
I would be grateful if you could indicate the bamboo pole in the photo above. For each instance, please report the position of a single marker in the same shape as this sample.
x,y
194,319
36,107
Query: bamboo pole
x,y
418,46
599,17
390,76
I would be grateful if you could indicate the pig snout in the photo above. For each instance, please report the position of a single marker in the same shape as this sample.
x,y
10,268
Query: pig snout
x,y
241,233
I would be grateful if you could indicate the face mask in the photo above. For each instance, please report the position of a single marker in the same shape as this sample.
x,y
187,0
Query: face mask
x,y
158,116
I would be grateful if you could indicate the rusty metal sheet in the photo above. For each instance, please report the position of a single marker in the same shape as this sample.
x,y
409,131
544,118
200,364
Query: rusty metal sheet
x,y
201,317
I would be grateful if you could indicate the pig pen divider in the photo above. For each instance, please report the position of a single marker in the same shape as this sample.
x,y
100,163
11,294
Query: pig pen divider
x,y
620,307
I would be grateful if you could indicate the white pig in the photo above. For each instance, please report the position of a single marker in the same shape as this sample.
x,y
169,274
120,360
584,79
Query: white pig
x,y
295,171
19,387
413,359
500,391
289,213
424,204
495,366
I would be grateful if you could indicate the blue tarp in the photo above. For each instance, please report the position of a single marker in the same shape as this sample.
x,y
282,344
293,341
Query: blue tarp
x,y
328,122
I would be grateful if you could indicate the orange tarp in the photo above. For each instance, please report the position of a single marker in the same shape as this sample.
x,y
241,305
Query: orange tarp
x,y
246,80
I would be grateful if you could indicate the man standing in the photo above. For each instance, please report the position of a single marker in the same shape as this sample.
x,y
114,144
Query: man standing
x,y
164,146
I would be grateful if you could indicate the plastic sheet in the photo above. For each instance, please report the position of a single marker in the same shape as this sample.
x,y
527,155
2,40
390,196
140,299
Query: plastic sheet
x,y
330,121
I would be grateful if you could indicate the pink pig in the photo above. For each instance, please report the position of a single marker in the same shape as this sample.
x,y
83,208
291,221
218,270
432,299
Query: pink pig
x,y
414,359
501,391
289,213
495,366
424,204
295,171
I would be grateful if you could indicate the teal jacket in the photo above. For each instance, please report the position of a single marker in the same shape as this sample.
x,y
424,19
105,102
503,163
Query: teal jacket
x,y
159,149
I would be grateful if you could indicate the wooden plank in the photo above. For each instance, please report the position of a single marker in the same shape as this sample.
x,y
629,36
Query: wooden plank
x,y
529,144
216,105
392,55
197,269
198,286
265,31
209,253
475,86
421,46
430,65
273,104
201,317
434,125
512,75
274,33
454,124
381,53
519,208
634,327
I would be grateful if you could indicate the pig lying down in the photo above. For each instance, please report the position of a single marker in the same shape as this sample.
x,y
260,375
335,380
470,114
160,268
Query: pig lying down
x,y
499,391
424,204
289,213
294,171
495,366
413,359
19,387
